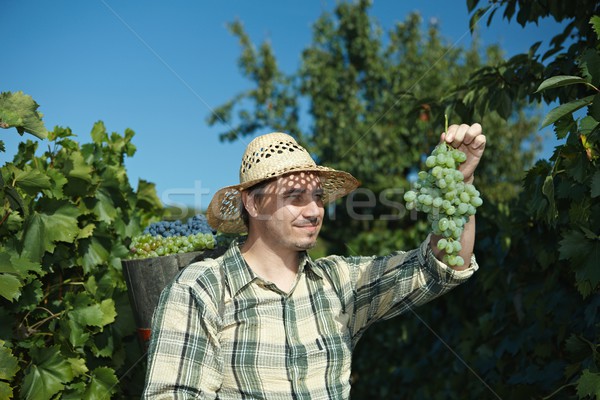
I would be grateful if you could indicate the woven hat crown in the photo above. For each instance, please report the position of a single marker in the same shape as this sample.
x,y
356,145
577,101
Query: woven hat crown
x,y
271,155
266,157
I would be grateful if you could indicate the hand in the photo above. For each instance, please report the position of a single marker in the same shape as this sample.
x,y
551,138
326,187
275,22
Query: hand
x,y
470,140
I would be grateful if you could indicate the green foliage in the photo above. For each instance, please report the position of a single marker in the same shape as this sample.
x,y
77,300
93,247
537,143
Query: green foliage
x,y
66,220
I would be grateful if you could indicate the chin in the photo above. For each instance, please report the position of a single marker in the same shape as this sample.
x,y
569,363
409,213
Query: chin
x,y
306,246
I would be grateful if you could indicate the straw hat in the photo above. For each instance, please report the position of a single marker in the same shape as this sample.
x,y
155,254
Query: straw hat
x,y
266,157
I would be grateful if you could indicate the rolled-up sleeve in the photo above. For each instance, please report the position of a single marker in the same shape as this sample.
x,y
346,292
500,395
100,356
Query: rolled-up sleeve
x,y
387,286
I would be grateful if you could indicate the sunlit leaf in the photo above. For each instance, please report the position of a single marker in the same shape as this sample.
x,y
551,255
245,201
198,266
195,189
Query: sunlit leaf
x,y
78,366
98,133
6,391
558,81
19,110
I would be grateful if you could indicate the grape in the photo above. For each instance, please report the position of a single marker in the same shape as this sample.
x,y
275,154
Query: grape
x,y
195,224
441,193
146,245
171,237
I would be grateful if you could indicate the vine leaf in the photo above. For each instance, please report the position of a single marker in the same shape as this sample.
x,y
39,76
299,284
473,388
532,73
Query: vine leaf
x,y
10,287
45,376
42,229
103,384
99,314
19,110
9,364
589,384
31,180
583,253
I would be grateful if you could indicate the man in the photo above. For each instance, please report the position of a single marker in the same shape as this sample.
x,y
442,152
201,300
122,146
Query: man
x,y
264,321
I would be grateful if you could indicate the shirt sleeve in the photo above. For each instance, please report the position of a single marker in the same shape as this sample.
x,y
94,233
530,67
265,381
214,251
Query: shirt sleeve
x,y
184,358
387,286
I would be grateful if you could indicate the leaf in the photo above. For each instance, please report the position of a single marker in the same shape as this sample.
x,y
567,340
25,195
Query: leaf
x,y
6,391
588,384
595,22
98,133
42,228
595,187
565,109
9,364
584,254
590,66
147,198
558,81
94,253
10,287
76,167
75,331
99,314
78,366
102,385
19,110
32,181
58,182
104,207
548,191
47,374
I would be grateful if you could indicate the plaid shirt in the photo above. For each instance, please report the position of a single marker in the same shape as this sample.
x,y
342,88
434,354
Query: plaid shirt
x,y
222,332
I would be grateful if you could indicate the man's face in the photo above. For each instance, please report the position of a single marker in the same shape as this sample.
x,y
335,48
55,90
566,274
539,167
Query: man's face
x,y
289,211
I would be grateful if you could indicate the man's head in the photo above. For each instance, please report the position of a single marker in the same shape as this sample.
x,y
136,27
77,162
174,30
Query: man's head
x,y
275,159
286,211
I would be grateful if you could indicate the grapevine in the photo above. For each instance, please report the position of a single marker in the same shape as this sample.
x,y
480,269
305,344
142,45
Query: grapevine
x,y
441,193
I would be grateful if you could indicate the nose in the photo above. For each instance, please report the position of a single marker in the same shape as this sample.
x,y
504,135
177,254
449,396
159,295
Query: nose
x,y
313,210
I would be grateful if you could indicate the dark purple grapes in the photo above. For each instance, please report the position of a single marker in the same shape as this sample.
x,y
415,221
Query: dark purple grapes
x,y
194,225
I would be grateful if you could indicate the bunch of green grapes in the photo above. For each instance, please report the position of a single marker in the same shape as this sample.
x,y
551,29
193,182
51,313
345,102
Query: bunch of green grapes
x,y
148,245
448,201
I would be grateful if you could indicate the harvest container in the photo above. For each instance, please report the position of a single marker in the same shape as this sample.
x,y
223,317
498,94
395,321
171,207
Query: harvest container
x,y
147,277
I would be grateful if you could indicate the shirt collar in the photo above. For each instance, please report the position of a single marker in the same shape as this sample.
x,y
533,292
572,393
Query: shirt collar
x,y
239,274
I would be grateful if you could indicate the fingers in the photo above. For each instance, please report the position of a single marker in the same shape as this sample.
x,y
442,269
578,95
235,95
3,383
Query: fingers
x,y
469,135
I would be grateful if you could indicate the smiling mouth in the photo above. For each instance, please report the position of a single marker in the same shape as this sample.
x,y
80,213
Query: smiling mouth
x,y
310,227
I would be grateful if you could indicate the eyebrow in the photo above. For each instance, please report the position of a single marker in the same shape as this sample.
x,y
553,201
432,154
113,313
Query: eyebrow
x,y
295,191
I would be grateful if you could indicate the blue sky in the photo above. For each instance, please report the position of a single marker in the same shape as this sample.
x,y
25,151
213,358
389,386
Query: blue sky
x,y
160,67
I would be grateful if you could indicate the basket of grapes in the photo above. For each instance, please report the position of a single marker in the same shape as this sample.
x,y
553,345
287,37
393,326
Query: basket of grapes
x,y
157,255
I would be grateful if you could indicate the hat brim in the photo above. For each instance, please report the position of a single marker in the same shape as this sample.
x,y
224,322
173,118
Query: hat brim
x,y
224,210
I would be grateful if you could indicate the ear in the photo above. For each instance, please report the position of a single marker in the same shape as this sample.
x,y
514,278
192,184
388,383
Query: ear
x,y
249,203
